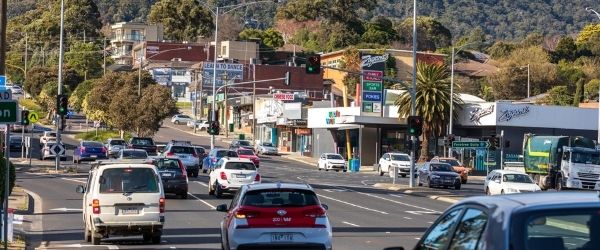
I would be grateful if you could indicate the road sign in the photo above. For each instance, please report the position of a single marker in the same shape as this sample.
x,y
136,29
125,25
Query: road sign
x,y
2,81
470,144
8,112
57,149
33,116
96,124
5,95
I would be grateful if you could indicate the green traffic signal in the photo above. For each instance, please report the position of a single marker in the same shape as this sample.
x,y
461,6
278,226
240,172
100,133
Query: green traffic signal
x,y
24,117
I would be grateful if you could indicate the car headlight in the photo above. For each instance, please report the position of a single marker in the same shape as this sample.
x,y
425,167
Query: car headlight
x,y
512,190
433,176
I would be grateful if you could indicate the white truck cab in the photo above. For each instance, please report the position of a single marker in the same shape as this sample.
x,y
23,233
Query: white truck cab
x,y
580,168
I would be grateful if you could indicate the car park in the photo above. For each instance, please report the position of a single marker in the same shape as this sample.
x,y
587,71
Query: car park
x,y
438,174
329,161
230,174
275,216
266,148
235,144
214,156
114,145
132,154
458,167
399,161
181,119
509,182
123,199
173,175
89,151
184,151
249,154
46,153
145,143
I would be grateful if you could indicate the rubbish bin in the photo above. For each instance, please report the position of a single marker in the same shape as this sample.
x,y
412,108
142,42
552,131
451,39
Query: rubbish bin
x,y
242,136
230,127
354,165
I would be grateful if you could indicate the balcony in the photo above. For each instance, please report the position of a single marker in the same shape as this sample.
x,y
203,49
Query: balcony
x,y
128,38
118,54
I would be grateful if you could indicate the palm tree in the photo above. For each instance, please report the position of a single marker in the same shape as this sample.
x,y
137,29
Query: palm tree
x,y
432,102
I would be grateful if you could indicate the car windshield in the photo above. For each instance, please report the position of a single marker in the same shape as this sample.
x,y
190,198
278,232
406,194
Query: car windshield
x,y
229,153
184,116
280,198
240,166
200,150
400,158
561,229
51,134
335,157
15,139
134,154
117,142
586,158
441,168
452,162
128,180
267,144
92,144
182,150
245,143
518,178
245,152
167,164
142,141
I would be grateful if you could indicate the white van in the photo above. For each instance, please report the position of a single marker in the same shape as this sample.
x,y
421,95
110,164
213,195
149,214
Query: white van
x,y
123,199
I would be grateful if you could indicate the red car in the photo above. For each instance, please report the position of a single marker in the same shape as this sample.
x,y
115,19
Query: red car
x,y
247,153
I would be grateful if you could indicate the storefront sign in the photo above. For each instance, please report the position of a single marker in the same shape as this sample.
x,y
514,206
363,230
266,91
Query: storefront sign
x,y
370,60
372,86
478,113
372,97
373,67
331,117
303,131
283,97
507,115
371,75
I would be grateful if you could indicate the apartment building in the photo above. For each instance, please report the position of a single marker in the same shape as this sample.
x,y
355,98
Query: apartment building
x,y
126,35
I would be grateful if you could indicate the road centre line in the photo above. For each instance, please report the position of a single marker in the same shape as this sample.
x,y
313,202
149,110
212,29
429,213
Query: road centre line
x,y
203,201
351,224
354,205
75,180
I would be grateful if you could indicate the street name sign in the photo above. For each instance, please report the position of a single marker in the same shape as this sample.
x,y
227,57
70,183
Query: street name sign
x,y
33,117
8,112
470,144
5,95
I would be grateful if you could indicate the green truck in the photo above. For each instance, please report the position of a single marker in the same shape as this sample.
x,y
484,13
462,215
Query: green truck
x,y
562,162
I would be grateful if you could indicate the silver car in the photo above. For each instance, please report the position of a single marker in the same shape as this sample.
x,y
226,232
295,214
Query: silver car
x,y
114,146
184,151
266,148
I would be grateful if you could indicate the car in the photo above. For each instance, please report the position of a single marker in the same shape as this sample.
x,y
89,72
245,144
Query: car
x,y
533,221
249,154
15,143
329,161
18,128
230,174
181,119
46,153
458,167
266,148
89,151
235,144
114,145
201,152
398,160
275,216
47,136
145,143
438,174
173,175
508,182
132,154
209,162
184,151
123,199
199,124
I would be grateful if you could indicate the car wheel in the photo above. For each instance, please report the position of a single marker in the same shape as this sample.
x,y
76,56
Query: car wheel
x,y
463,181
204,171
218,191
429,183
337,170
559,186
502,191
457,186
318,167
487,191
147,237
419,181
345,170
176,122
403,175
195,173
380,170
156,239
211,190
326,169
183,196
96,240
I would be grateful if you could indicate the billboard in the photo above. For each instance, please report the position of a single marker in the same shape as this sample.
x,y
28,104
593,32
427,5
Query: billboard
x,y
230,70
373,67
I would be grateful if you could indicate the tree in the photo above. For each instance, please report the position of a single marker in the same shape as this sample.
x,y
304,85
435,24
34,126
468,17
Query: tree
x,y
155,105
578,97
566,49
183,20
78,96
591,90
303,10
558,95
271,38
432,34
47,98
351,61
12,176
84,58
432,102
587,32
501,49
37,78
379,31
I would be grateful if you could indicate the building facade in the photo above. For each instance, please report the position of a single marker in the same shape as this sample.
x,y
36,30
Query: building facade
x,y
126,35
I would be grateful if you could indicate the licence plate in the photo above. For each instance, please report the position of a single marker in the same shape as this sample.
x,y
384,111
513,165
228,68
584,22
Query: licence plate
x,y
166,174
241,176
94,156
282,237
130,211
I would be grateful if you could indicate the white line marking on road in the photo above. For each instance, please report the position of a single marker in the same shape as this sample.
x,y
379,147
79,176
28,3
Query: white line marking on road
x,y
201,183
408,218
75,180
80,246
203,201
351,224
430,222
354,205
417,238
64,209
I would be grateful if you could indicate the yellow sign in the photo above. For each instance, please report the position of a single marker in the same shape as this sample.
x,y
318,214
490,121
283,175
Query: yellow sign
x,y
33,117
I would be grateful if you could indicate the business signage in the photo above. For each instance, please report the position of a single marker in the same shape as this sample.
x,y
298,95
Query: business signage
x,y
373,68
372,86
371,96
225,71
283,97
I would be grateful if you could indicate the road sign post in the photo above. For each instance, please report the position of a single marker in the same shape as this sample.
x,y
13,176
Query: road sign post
x,y
470,144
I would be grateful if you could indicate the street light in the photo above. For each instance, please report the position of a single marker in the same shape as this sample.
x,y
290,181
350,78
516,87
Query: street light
x,y
452,91
598,138
142,65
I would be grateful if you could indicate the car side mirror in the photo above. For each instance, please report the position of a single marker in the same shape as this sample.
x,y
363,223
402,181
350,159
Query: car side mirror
x,y
394,248
80,189
497,181
325,206
222,208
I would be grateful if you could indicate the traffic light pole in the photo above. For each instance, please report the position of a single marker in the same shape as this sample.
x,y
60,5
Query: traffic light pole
x,y
60,90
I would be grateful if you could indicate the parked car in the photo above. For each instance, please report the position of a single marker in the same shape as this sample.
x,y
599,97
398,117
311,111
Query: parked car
x,y
132,154
123,199
458,167
249,154
230,174
214,156
145,143
15,143
173,175
532,221
114,145
329,161
509,182
89,151
199,124
181,119
184,151
266,148
47,136
235,144
399,161
46,153
273,216
438,174
16,89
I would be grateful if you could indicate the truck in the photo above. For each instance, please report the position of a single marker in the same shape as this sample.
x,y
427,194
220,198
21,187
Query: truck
x,y
562,162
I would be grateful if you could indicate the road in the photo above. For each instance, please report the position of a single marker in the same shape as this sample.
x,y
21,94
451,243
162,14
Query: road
x,y
362,217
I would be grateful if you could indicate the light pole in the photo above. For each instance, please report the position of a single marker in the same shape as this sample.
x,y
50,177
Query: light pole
x,y
598,138
413,94
142,65
451,125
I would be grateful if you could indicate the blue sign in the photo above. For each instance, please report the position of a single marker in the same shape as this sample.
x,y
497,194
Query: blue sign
x,y
372,96
2,80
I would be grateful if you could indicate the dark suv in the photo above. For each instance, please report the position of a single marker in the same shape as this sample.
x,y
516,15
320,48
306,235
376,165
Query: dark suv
x,y
144,143
173,176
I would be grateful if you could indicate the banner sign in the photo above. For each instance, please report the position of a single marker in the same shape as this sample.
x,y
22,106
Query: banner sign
x,y
373,67
283,97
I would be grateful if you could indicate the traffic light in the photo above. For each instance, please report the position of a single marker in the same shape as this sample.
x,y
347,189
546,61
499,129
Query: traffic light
x,y
449,139
494,142
24,117
213,129
287,78
313,65
415,125
62,103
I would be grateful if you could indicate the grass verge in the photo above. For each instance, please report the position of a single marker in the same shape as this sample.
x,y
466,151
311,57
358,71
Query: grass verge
x,y
102,135
184,105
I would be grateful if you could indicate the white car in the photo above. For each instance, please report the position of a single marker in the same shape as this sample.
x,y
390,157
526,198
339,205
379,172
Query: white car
x,y
509,182
46,153
266,148
329,161
398,160
230,174
200,124
47,136
181,119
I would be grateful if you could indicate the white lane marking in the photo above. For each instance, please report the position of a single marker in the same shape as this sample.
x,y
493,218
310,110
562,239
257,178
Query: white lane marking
x,y
80,246
417,238
408,218
354,205
351,224
75,180
203,201
363,182
430,222
64,209
201,183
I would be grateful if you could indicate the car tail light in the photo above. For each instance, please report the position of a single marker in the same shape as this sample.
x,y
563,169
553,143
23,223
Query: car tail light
x,y
316,212
170,154
214,160
245,214
223,176
96,206
257,177
82,149
161,205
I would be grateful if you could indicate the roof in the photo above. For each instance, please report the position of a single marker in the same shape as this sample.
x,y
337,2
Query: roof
x,y
393,94
536,200
276,185
507,171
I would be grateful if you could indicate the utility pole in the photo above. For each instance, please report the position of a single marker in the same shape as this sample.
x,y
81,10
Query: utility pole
x,y
104,57
3,46
254,102
60,66
528,76
226,109
413,94
26,55
213,114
